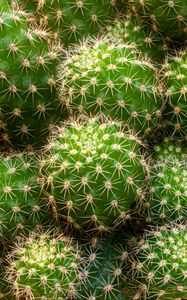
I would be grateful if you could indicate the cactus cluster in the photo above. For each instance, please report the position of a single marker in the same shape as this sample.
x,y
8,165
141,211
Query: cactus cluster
x,y
93,159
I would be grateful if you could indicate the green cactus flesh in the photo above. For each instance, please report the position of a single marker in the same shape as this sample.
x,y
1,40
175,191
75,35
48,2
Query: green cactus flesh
x,y
73,20
28,97
131,30
168,17
44,268
108,78
21,209
93,171
174,74
165,197
158,265
104,278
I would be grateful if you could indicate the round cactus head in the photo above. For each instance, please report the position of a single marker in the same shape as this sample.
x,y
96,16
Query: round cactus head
x,y
44,267
132,30
165,197
71,21
105,278
158,265
107,77
93,171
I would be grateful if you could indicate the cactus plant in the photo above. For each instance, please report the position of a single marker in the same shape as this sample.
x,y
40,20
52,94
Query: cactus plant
x,y
133,31
21,208
164,198
73,20
114,170
107,78
28,98
158,264
105,276
93,171
174,74
44,267
168,17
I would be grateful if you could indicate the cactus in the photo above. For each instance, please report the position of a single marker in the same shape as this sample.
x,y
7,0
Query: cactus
x,y
93,128
174,74
107,78
133,31
158,264
21,208
28,98
105,276
168,17
73,20
165,198
93,171
44,267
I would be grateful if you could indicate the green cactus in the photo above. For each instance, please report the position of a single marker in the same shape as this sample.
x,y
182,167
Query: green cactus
x,y
164,197
73,20
44,267
108,78
133,31
104,278
168,17
21,208
93,171
28,97
175,77
158,264
169,149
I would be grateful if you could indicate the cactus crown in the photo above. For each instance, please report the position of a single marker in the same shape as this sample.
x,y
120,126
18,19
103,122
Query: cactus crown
x,y
44,267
